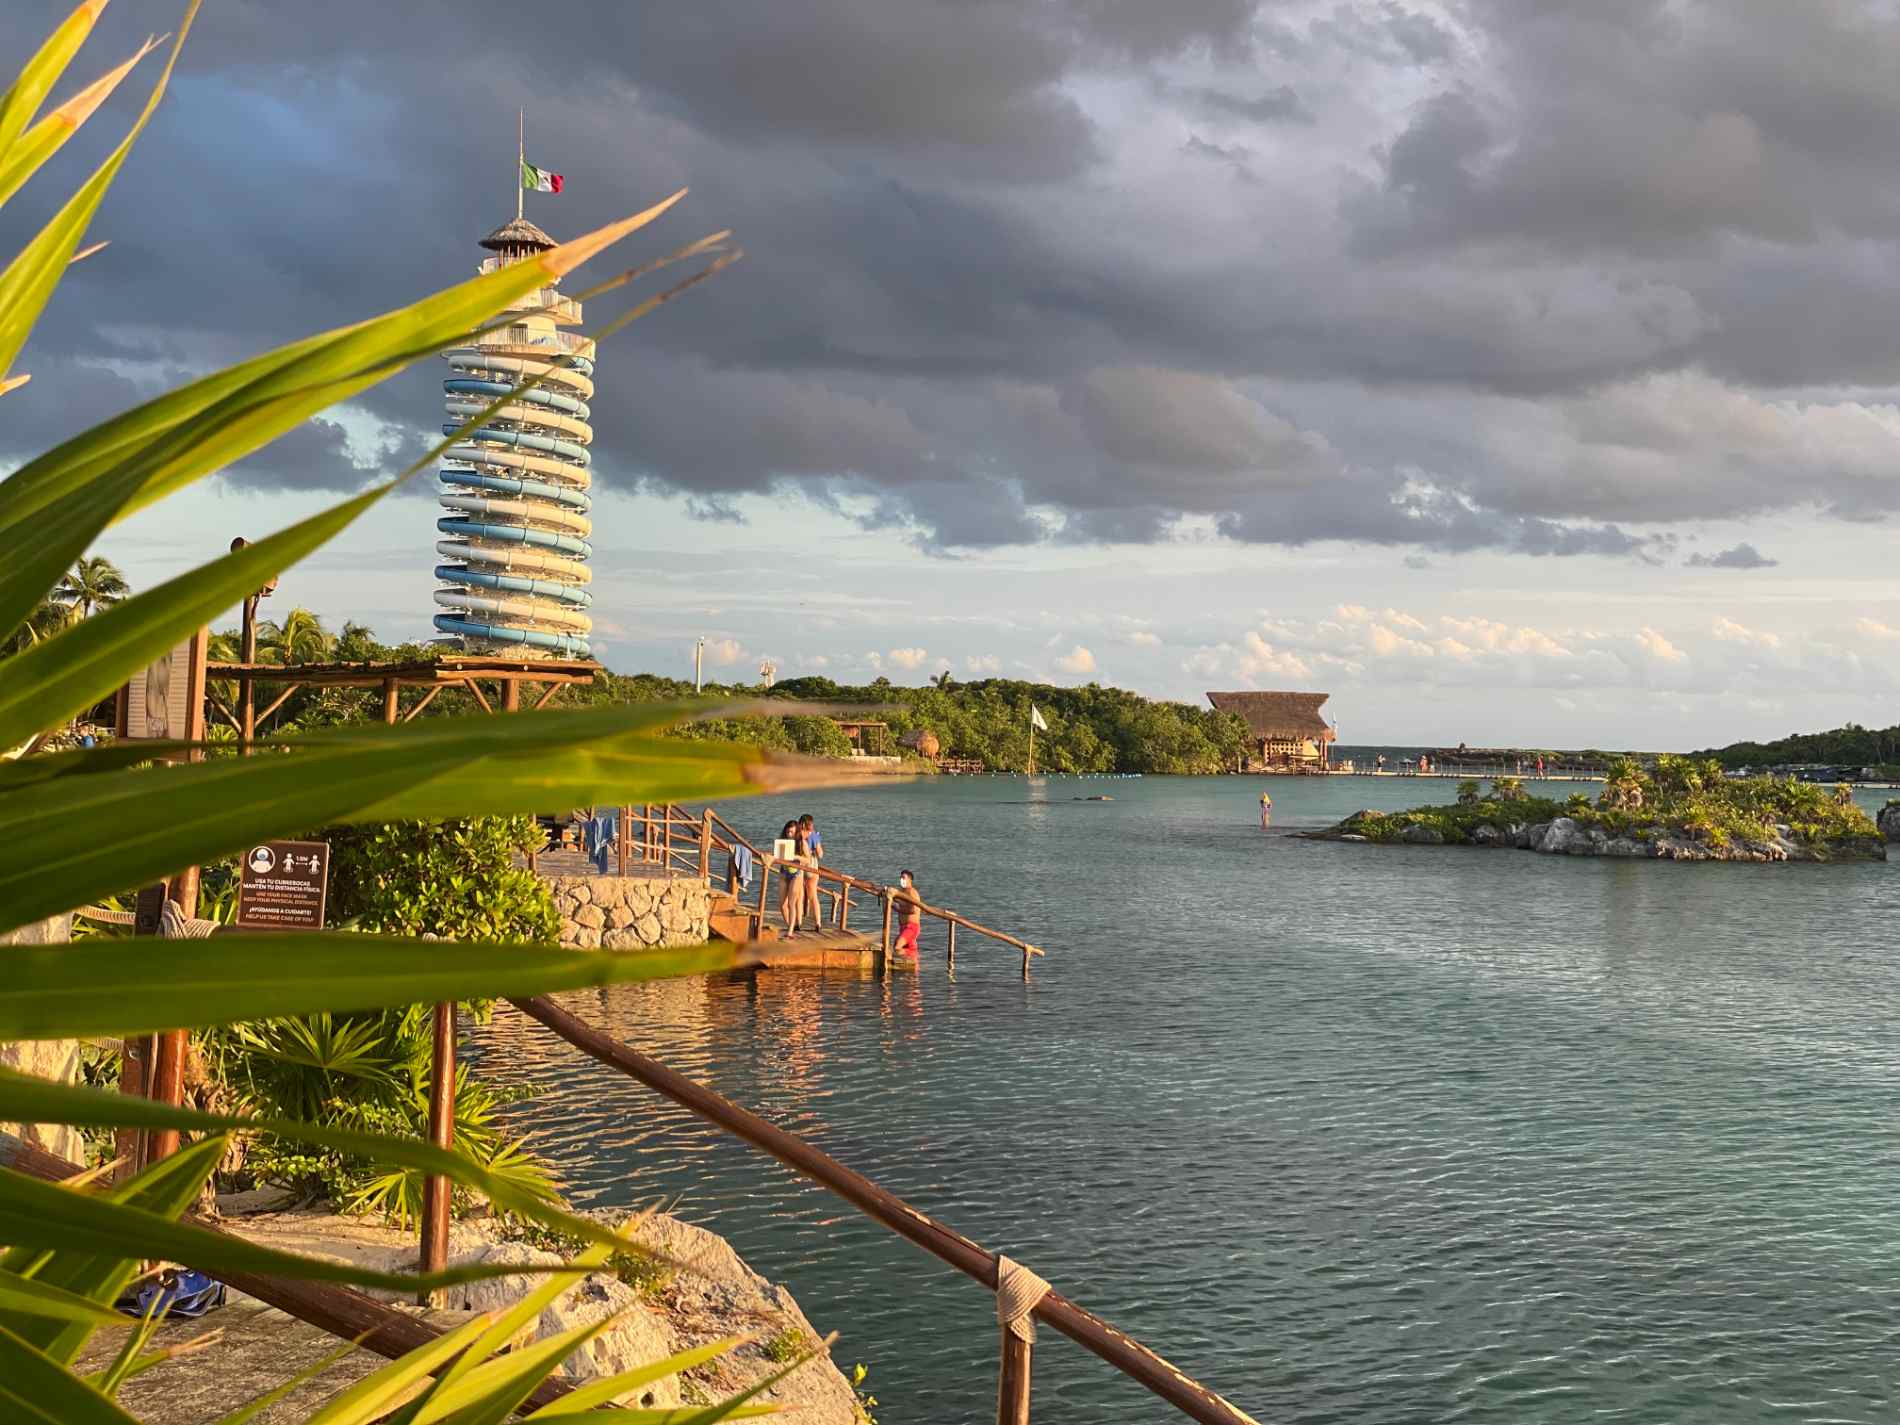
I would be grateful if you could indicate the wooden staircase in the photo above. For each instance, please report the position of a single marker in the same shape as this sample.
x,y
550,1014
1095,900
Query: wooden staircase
x,y
730,921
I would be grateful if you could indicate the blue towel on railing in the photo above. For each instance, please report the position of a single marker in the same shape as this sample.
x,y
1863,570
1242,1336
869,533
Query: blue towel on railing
x,y
741,866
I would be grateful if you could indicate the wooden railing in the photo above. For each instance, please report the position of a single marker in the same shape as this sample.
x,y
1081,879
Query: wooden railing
x,y
1134,1360
679,842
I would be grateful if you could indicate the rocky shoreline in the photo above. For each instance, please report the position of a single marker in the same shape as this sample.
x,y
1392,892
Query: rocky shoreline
x,y
1889,821
1565,836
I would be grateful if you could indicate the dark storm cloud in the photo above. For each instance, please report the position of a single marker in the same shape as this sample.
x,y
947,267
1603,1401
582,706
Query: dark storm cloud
x,y
1521,310
1741,556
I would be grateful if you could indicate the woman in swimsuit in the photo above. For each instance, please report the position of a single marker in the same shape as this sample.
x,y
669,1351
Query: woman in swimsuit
x,y
791,900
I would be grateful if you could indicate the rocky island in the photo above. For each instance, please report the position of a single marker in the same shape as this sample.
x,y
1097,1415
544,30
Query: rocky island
x,y
1680,810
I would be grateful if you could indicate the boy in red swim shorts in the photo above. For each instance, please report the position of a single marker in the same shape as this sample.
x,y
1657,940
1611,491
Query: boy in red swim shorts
x,y
911,909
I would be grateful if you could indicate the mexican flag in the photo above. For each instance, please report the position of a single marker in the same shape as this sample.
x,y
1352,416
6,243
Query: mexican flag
x,y
539,180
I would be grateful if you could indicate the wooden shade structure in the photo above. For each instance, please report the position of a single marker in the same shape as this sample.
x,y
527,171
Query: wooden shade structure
x,y
1289,733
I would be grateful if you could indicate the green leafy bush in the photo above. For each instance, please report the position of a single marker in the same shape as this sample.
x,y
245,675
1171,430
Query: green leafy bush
x,y
456,879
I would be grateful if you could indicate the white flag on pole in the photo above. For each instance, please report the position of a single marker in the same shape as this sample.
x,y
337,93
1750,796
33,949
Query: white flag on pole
x,y
1035,718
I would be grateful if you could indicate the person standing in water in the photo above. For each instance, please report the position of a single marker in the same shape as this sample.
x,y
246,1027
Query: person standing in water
x,y
910,907
1266,811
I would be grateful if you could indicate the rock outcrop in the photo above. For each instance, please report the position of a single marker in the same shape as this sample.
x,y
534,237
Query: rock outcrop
x,y
711,1295
631,912
1889,821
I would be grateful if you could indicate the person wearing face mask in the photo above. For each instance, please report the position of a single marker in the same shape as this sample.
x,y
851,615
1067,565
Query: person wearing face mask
x,y
909,906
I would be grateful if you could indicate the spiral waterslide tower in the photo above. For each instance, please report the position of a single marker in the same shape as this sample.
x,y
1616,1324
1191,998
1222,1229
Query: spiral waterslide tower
x,y
514,492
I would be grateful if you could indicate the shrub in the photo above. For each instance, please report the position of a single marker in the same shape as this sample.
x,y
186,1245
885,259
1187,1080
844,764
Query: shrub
x,y
456,879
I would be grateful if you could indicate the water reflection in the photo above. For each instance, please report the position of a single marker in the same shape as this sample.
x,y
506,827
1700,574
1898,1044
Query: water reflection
x,y
1371,1134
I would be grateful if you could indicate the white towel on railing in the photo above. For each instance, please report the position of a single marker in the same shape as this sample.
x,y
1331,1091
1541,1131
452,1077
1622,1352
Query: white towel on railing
x,y
1018,1290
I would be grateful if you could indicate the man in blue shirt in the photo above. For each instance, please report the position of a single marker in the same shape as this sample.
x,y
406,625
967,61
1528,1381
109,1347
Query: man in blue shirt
x,y
814,853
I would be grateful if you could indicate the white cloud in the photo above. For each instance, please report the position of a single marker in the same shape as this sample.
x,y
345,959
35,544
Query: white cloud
x,y
1496,637
1387,644
1873,628
1260,659
1076,661
1656,646
910,659
983,663
1730,631
724,651
1141,638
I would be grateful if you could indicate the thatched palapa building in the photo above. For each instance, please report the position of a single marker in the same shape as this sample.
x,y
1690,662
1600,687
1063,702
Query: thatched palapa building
x,y
1289,733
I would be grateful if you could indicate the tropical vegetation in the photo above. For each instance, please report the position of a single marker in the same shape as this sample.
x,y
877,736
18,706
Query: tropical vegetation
x,y
74,1247
1850,747
1678,795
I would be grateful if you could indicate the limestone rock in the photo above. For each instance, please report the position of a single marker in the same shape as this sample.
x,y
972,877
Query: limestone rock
x,y
622,940
648,929
1560,837
1422,836
1486,834
1889,821
620,917
590,916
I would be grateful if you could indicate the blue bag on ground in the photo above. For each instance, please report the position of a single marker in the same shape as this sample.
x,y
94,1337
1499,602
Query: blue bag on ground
x,y
179,1292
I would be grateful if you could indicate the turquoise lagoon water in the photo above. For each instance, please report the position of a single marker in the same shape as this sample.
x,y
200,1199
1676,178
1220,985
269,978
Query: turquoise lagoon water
x,y
1359,1134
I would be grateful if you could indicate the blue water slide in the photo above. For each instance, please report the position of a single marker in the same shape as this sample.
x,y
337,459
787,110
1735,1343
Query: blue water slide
x,y
536,396
516,534
573,499
473,355
513,583
492,436
500,633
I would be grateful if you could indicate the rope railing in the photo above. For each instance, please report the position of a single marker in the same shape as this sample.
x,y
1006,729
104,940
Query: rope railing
x,y
1127,1355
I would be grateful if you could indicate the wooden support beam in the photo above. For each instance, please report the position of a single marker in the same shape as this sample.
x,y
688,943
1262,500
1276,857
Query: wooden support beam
x,y
469,683
705,846
282,698
427,698
392,699
765,880
890,905
1012,1385
436,1191
346,1314
511,695
952,956
548,696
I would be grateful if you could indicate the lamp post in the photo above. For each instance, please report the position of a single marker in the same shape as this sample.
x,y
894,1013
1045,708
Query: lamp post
x,y
247,653
699,658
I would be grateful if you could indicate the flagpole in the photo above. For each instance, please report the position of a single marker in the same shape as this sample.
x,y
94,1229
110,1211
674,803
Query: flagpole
x,y
521,157
1032,739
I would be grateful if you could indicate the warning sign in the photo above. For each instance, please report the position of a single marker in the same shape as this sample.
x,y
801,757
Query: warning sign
x,y
282,886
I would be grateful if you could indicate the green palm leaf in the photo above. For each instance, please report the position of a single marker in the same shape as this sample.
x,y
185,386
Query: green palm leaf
x,y
24,1099
49,135
55,853
36,1388
23,99
28,1296
45,1217
115,987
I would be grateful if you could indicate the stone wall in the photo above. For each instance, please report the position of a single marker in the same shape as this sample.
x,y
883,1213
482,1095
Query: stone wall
x,y
631,912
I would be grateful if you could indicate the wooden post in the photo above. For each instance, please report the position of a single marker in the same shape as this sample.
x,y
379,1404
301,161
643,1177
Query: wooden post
x,y
890,905
247,651
844,905
1012,1386
511,695
168,1060
621,833
436,1190
392,689
953,950
765,880
646,834
705,846
1025,964
666,837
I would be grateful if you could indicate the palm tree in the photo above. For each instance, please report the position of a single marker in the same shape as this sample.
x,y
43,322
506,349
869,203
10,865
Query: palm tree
x,y
45,621
93,583
300,638
943,680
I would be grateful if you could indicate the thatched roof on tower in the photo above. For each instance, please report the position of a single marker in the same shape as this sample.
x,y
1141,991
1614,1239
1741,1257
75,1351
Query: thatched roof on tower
x,y
1278,715
518,233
